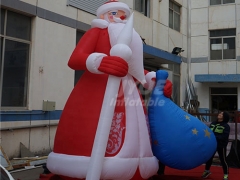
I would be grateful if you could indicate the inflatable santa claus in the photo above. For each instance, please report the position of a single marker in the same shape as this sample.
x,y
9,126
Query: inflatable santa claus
x,y
128,154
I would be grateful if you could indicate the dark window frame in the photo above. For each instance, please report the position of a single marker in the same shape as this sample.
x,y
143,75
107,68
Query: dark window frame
x,y
144,7
176,76
15,46
175,13
222,50
78,73
220,2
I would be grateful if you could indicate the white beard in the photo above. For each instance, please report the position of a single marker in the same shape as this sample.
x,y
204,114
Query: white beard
x,y
136,62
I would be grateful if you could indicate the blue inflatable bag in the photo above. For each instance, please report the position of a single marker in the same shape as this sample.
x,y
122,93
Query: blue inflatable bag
x,y
179,140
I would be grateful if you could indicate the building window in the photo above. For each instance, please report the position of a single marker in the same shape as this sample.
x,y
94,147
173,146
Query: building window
x,y
222,44
14,67
143,6
87,6
78,73
174,16
224,99
216,2
175,68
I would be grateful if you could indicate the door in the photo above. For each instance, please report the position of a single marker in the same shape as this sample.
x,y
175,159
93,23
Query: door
x,y
224,99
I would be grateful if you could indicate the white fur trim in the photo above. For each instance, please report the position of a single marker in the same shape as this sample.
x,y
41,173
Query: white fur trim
x,y
93,62
77,166
113,6
136,144
150,83
99,23
148,166
121,50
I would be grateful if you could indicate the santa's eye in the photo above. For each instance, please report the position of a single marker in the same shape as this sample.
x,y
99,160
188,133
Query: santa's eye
x,y
114,13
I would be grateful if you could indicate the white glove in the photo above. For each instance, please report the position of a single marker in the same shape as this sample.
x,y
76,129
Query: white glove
x,y
151,80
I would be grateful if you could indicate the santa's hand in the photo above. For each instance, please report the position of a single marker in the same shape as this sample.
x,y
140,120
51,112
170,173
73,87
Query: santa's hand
x,y
167,90
150,80
114,65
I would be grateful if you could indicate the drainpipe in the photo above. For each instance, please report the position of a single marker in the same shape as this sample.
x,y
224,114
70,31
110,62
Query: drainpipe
x,y
189,41
188,94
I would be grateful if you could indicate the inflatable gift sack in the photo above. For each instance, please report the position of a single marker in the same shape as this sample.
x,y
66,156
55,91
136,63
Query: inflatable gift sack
x,y
179,140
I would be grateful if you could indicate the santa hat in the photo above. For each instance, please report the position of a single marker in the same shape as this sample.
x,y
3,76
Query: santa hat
x,y
113,5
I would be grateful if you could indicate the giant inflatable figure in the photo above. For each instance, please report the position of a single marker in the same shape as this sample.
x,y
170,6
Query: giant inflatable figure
x,y
107,52
180,140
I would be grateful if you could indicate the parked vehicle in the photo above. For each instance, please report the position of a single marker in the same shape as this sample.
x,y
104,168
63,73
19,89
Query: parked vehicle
x,y
4,174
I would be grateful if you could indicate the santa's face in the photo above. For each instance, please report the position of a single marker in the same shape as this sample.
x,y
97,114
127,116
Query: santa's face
x,y
114,16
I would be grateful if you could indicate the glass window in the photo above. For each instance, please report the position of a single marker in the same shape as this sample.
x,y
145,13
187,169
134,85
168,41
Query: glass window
x,y
176,22
176,89
228,1
170,4
216,49
142,6
174,16
18,26
224,32
139,5
2,21
78,73
221,45
216,2
171,18
176,8
175,68
15,74
15,60
223,99
1,46
229,48
223,91
90,6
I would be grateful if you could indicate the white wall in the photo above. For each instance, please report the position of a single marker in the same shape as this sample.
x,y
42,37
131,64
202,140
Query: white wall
x,y
50,78
219,20
32,2
145,28
205,18
37,140
59,7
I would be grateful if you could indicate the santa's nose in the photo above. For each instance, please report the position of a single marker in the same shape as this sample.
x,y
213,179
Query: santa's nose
x,y
122,17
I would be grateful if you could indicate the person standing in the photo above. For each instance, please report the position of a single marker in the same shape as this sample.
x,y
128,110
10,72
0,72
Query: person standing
x,y
221,130
128,153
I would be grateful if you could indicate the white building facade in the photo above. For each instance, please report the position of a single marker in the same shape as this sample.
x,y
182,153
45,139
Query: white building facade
x,y
215,57
38,37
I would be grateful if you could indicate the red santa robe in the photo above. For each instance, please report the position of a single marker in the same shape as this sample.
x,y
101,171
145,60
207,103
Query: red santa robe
x,y
129,148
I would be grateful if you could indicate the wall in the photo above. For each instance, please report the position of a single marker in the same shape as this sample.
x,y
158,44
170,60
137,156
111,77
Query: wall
x,y
205,18
50,79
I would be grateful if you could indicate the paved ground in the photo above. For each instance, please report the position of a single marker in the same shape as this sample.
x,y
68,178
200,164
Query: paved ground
x,y
27,174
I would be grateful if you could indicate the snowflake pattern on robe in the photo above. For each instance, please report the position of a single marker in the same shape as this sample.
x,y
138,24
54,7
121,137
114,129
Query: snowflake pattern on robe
x,y
116,133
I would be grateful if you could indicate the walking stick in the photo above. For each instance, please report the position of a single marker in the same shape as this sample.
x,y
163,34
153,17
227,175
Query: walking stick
x,y
107,111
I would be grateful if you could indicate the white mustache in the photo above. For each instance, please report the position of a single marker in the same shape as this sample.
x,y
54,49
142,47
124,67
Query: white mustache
x,y
119,20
